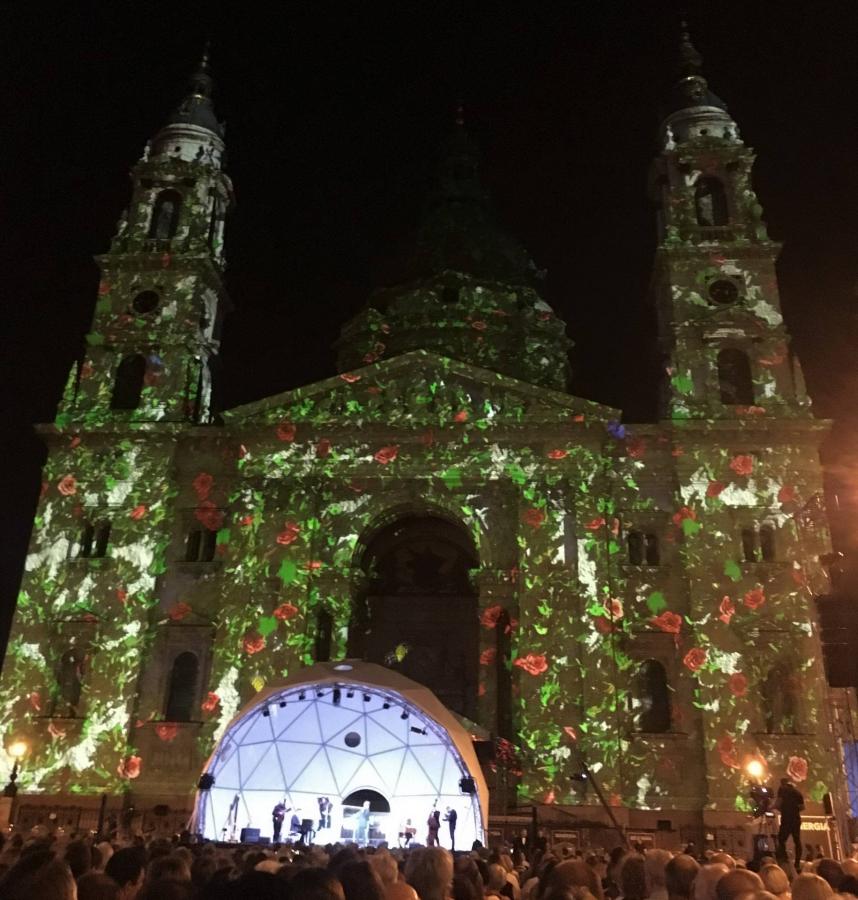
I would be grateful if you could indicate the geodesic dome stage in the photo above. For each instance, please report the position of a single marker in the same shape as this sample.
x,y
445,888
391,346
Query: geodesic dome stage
x,y
350,731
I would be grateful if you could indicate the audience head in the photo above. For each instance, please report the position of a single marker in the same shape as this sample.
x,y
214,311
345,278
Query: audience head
x,y
126,868
725,858
831,871
774,879
97,886
385,867
79,857
808,886
360,881
167,868
655,862
633,877
429,871
38,874
679,875
316,884
706,880
736,882
573,873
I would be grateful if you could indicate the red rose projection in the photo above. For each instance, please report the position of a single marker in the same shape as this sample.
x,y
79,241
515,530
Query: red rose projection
x,y
487,657
797,769
532,664
290,533
714,488
129,767
695,658
491,616
386,454
167,731
67,485
350,377
286,431
253,643
209,516
285,611
738,684
755,598
479,325
557,454
138,512
682,514
636,447
742,464
726,610
179,611
461,416
668,621
35,701
323,448
211,703
202,485
786,494
595,524
534,517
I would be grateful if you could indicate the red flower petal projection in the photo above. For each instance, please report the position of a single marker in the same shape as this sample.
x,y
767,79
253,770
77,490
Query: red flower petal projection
x,y
179,611
726,610
290,533
755,598
285,611
386,454
738,684
167,731
211,703
487,657
209,516
742,464
491,615
323,448
595,524
636,447
461,416
202,485
129,767
67,485
534,517
682,514
245,521
668,621
286,431
350,377
714,488
786,494
557,454
533,664
253,643
479,325
138,512
695,658
797,768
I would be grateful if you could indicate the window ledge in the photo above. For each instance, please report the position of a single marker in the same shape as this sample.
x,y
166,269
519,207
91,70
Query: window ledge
x,y
198,568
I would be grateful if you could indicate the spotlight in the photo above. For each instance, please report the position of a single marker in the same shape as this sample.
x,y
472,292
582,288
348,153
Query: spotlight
x,y
404,714
266,712
337,696
302,696
385,705
282,704
350,694
755,768
417,730
320,693
366,698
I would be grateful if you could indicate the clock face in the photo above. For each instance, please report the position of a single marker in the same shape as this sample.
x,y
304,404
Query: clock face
x,y
723,292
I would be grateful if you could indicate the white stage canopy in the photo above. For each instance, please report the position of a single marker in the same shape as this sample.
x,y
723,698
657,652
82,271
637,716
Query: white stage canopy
x,y
336,730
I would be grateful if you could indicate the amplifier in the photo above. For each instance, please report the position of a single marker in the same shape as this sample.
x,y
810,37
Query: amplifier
x,y
249,836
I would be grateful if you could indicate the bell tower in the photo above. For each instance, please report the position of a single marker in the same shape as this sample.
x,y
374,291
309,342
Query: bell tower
x,y
721,333
155,334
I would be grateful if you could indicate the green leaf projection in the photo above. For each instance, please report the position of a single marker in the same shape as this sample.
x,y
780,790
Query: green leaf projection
x,y
608,553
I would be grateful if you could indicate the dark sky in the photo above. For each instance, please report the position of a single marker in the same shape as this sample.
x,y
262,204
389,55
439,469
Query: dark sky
x,y
334,116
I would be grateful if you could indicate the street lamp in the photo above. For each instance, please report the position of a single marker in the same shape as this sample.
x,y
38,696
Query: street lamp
x,y
17,751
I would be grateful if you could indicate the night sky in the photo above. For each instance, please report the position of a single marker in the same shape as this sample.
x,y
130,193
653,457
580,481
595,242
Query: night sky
x,y
335,113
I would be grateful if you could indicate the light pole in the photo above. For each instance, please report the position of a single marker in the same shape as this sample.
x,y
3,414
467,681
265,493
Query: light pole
x,y
17,751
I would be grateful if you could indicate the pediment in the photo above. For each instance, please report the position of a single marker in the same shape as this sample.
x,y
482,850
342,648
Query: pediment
x,y
419,388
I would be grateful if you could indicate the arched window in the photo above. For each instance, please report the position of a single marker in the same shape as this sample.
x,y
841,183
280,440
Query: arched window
x,y
651,699
643,549
165,215
129,383
734,377
780,693
94,538
749,545
710,202
69,683
324,635
767,543
182,690
200,545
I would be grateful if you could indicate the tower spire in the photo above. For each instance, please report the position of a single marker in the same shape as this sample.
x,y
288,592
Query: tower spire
x,y
690,60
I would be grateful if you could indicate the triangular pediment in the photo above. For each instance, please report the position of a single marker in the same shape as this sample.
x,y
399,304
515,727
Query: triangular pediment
x,y
421,388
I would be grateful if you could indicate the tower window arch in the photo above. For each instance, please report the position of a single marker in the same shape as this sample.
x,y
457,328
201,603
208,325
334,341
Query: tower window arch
x,y
324,635
734,377
710,202
69,683
128,385
182,688
651,698
779,693
165,215
94,538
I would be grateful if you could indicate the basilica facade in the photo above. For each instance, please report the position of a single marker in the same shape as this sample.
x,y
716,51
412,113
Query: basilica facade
x,y
633,601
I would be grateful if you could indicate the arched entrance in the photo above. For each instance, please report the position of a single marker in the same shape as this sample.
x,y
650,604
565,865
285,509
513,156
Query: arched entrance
x,y
352,733
418,613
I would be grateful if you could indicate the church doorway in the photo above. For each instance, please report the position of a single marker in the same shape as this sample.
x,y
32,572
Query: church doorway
x,y
418,611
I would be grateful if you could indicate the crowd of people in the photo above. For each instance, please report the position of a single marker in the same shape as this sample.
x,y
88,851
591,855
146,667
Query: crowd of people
x,y
45,867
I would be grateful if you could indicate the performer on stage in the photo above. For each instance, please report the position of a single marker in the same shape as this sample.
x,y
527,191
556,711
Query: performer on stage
x,y
434,823
790,804
277,816
451,817
362,829
406,833
326,812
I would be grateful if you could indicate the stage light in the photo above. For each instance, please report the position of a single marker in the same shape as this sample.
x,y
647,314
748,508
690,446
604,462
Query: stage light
x,y
266,712
385,705
366,698
404,714
417,730
282,704
320,693
755,768
337,696
350,694
302,696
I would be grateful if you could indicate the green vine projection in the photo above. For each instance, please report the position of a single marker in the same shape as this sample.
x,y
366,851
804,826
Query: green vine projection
x,y
604,548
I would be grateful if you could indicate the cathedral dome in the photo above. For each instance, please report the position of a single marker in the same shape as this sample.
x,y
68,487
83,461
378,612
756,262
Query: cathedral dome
x,y
467,291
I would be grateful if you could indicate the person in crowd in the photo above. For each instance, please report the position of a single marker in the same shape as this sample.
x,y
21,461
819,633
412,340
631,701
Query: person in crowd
x,y
679,876
831,871
573,873
315,884
790,803
725,858
808,886
775,880
706,880
497,884
430,872
633,884
655,862
167,868
78,855
736,882
360,881
433,824
450,817
39,874
127,867
97,886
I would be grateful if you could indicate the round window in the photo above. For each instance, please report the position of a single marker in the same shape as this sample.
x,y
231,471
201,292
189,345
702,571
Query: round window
x,y
352,739
145,303
723,292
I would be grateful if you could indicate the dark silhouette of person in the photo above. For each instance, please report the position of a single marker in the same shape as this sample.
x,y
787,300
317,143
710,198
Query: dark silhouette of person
x,y
789,803
451,817
434,825
277,816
